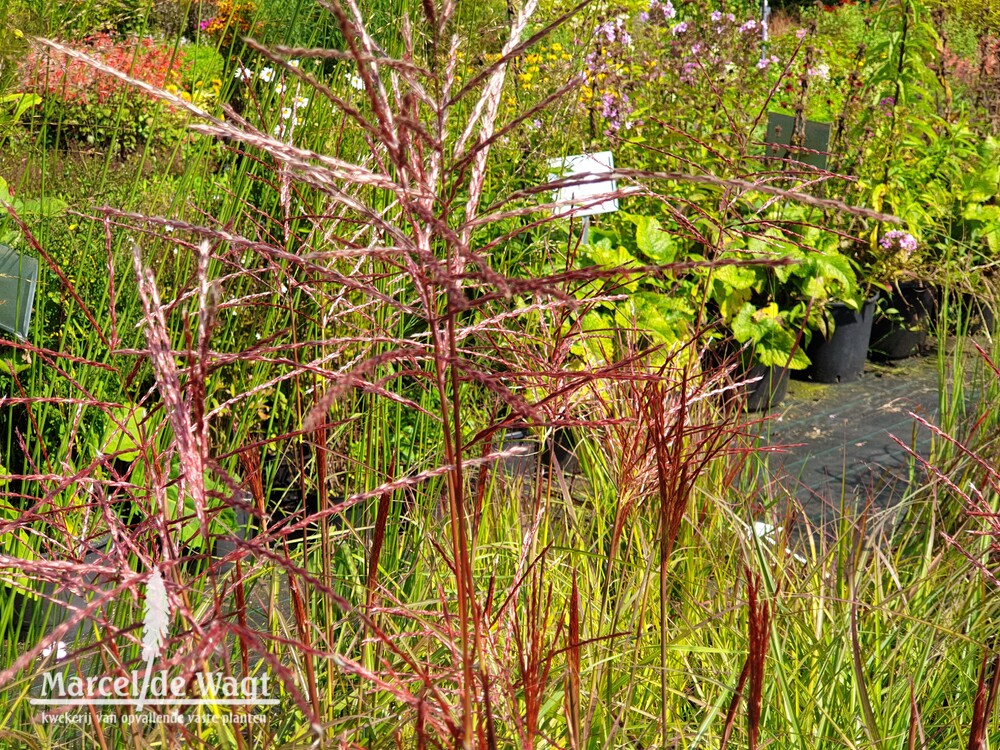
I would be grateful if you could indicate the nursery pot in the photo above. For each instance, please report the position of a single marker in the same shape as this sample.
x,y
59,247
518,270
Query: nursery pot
x,y
899,336
770,390
979,313
841,358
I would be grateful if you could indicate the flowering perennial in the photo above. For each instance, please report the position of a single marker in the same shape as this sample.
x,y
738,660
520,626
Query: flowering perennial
x,y
897,239
54,75
698,47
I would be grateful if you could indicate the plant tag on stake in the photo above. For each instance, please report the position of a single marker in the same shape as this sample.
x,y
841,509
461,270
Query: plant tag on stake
x,y
585,196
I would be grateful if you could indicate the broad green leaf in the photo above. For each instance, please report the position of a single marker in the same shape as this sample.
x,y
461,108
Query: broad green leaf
x,y
594,344
736,277
744,326
610,256
779,358
774,343
126,441
667,318
23,102
46,207
979,212
651,240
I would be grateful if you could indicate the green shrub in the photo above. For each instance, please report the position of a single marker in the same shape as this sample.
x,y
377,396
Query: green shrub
x,y
983,15
72,20
202,64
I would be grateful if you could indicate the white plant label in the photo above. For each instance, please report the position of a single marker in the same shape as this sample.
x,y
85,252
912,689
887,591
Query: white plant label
x,y
601,162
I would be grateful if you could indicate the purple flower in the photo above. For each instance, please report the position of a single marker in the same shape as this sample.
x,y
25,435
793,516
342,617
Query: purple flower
x,y
680,28
887,102
615,31
595,66
897,240
696,49
801,34
204,24
664,7
615,110
748,26
644,17
716,16
821,71
607,30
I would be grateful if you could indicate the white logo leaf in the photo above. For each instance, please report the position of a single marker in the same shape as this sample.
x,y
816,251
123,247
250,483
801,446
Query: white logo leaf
x,y
156,619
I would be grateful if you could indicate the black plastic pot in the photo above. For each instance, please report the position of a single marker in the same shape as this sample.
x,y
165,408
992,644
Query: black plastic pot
x,y
967,313
980,314
841,359
903,335
770,390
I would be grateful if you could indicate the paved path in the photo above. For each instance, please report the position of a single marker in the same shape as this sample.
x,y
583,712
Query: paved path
x,y
832,445
836,440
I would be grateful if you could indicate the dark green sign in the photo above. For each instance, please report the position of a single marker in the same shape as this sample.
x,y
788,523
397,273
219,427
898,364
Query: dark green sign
x,y
783,142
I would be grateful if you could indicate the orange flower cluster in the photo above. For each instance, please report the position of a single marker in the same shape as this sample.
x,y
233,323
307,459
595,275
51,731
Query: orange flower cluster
x,y
233,19
52,74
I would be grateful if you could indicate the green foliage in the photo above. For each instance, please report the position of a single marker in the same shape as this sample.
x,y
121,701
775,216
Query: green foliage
x,y
203,64
772,342
81,18
663,305
129,427
982,15
170,17
903,53
12,109
766,275
122,124
29,209
123,436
